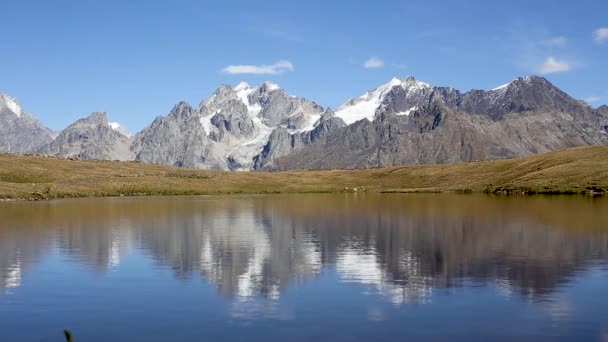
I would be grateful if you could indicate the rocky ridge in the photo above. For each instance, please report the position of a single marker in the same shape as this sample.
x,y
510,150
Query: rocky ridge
x,y
405,121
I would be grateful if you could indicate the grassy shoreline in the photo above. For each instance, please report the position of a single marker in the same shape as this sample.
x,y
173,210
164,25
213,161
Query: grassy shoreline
x,y
582,170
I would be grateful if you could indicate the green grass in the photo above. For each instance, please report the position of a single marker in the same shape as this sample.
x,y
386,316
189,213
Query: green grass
x,y
24,178
581,170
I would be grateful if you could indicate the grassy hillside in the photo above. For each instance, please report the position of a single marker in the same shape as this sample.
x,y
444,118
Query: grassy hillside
x,y
577,170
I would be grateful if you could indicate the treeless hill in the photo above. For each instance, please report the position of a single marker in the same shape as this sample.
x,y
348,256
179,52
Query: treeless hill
x,y
577,170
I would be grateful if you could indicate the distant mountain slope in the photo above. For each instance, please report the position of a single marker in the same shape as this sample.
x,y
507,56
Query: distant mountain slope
x,y
414,123
20,132
91,138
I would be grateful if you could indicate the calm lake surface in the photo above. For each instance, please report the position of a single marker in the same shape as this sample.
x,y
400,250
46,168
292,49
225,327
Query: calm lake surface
x,y
305,267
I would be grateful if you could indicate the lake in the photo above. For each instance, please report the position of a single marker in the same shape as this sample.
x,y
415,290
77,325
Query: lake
x,y
325,267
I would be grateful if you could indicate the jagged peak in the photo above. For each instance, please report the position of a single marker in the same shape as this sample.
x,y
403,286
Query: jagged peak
x,y
223,89
241,90
269,86
412,82
407,83
365,106
533,79
181,107
241,86
502,87
266,86
119,128
98,117
521,81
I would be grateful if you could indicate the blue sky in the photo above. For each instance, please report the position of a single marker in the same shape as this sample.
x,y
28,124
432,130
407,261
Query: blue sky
x,y
136,59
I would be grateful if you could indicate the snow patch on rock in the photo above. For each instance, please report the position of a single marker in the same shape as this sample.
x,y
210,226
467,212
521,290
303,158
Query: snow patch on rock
x,y
117,127
407,112
11,103
366,105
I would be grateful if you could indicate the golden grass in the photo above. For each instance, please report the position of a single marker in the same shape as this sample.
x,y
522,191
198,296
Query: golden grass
x,y
577,170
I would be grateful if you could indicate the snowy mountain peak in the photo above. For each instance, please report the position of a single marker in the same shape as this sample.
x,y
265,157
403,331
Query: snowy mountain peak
x,y
20,132
365,106
501,87
11,103
181,107
411,83
223,89
241,86
269,86
506,86
117,127
243,94
408,84
527,80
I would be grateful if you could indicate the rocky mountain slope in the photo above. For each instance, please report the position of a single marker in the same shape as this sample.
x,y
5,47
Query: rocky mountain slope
x,y
227,130
91,138
20,132
405,121
415,123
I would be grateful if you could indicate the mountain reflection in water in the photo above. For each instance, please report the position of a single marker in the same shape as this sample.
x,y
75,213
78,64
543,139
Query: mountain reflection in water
x,y
304,267
402,247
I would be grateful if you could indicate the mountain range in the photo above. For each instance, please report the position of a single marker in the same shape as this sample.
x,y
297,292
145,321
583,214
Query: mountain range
x,y
403,122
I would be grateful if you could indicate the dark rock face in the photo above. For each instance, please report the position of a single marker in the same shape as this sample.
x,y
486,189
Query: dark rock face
x,y
388,140
526,117
282,143
279,108
525,94
233,120
401,99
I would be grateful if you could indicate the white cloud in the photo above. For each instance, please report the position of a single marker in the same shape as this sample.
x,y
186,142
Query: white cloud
x,y
601,35
560,41
553,65
277,68
373,63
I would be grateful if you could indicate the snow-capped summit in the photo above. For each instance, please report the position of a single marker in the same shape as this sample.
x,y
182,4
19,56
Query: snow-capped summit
x,y
411,83
11,103
519,81
117,127
367,105
241,86
20,132
501,87
243,90
233,125
269,86
407,121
